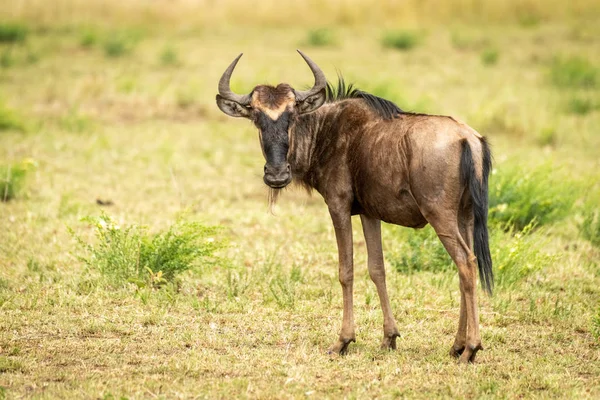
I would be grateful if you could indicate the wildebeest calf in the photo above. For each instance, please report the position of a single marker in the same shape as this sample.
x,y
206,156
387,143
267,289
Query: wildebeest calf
x,y
365,156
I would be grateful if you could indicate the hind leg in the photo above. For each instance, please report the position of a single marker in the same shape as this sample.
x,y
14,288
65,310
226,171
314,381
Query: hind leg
x,y
468,338
466,232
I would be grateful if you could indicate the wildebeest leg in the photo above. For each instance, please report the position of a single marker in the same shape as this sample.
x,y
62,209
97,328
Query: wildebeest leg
x,y
343,234
465,260
466,232
372,232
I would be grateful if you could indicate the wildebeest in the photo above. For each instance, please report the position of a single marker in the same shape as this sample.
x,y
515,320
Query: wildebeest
x,y
366,156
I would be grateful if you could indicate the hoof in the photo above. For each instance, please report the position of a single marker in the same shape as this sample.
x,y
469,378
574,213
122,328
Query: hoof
x,y
389,341
340,347
469,354
456,350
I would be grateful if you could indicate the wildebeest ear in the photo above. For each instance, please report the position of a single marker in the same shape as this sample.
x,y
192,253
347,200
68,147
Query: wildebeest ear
x,y
232,108
311,103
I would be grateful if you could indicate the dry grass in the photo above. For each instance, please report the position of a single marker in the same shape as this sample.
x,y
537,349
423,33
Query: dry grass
x,y
145,135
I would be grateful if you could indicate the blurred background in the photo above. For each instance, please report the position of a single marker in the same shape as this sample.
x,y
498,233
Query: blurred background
x,y
108,122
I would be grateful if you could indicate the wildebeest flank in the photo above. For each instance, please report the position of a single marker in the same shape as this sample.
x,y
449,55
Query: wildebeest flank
x,y
366,156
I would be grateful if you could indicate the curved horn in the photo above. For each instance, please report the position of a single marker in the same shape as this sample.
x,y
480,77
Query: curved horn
x,y
320,79
224,88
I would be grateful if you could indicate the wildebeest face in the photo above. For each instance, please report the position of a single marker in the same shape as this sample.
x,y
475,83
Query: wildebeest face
x,y
273,110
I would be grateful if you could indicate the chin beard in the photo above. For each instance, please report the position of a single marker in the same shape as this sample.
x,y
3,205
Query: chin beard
x,y
273,197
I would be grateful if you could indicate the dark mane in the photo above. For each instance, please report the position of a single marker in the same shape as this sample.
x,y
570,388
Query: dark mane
x,y
385,108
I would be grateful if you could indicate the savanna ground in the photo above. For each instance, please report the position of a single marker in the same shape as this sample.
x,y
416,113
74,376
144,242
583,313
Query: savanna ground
x,y
113,102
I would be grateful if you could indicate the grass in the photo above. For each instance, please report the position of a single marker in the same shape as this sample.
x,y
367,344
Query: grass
x,y
519,197
12,32
489,56
131,255
168,56
10,120
581,105
12,179
574,72
256,319
119,44
321,37
590,227
401,40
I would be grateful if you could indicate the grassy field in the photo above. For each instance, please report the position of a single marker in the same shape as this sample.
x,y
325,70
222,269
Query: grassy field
x,y
138,257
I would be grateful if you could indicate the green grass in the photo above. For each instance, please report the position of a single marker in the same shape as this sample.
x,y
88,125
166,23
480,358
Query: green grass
x,y
581,105
10,120
12,179
11,32
401,40
130,254
321,37
489,56
256,318
574,72
590,227
168,56
119,44
520,196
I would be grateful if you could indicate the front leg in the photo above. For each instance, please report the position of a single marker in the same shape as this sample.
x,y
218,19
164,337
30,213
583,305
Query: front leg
x,y
343,233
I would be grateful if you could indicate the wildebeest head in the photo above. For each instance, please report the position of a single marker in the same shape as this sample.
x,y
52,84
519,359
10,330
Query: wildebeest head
x,y
273,110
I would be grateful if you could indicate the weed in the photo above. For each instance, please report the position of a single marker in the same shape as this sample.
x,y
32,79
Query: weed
x,y
131,254
168,56
589,229
580,105
320,37
12,178
7,58
574,72
519,196
547,137
517,254
13,33
489,56
9,365
10,120
419,250
74,121
283,288
596,324
118,45
88,39
400,40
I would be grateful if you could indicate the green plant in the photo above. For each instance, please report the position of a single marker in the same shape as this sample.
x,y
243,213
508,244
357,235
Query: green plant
x,y
132,254
547,137
590,227
400,40
517,254
13,32
574,72
118,45
10,120
419,250
7,59
168,56
596,325
580,105
12,178
519,196
489,56
88,39
320,37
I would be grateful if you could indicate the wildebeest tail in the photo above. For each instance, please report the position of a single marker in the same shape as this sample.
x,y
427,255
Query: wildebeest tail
x,y
479,196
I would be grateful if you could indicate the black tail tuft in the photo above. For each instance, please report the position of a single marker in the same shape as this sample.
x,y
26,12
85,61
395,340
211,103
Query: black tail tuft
x,y
479,195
